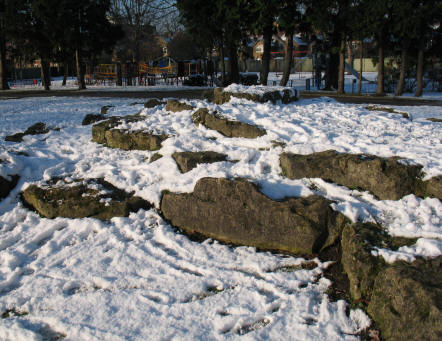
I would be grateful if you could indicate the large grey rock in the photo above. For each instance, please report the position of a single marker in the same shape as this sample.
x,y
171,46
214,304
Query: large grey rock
x,y
286,96
387,178
176,106
226,127
36,129
105,133
94,198
235,211
406,303
7,184
187,161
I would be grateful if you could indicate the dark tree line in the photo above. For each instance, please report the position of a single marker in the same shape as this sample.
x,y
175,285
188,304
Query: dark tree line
x,y
64,31
411,27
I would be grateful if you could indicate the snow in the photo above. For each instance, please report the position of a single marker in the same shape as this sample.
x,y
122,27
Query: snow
x,y
137,278
257,89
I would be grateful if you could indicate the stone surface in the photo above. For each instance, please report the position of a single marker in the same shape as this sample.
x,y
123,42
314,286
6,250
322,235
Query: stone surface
x,y
361,267
7,185
92,118
105,109
386,109
406,303
36,129
433,187
386,178
94,198
155,157
434,119
226,127
176,106
152,103
187,161
220,96
105,133
234,211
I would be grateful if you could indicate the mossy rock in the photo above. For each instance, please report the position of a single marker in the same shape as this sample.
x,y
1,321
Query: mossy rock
x,y
152,103
104,110
434,119
187,161
106,133
155,157
226,127
235,211
285,96
36,129
387,178
94,198
92,118
7,185
432,188
177,106
406,303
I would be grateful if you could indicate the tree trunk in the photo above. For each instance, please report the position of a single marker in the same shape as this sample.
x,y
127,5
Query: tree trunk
x,y
3,71
401,82
233,64
341,78
420,72
119,75
350,54
380,88
265,68
80,71
223,65
128,74
361,59
288,58
65,73
45,73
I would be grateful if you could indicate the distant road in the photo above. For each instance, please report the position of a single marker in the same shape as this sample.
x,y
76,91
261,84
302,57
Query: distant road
x,y
198,94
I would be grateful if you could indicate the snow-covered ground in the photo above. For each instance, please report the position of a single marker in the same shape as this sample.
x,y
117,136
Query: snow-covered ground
x,y
135,278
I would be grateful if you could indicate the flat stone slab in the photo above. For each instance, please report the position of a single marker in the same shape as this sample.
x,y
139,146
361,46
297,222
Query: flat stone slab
x,y
36,129
95,198
235,211
106,133
187,161
177,106
226,127
387,178
220,96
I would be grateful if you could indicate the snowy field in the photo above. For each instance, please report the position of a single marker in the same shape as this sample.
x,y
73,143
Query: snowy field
x,y
135,278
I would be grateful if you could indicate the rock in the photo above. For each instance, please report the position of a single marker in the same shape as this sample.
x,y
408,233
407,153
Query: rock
x,y
94,198
406,303
7,185
36,129
176,106
152,103
155,157
226,127
433,187
434,119
105,109
234,211
385,109
357,241
286,96
105,133
387,178
92,118
248,78
189,160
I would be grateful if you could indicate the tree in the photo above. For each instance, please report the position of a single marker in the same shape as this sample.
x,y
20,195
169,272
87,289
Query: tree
x,y
183,47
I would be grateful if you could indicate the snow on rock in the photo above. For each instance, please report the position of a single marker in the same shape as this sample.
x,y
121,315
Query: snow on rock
x,y
136,278
256,89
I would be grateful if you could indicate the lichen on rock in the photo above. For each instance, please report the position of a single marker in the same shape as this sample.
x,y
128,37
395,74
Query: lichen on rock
x,y
186,161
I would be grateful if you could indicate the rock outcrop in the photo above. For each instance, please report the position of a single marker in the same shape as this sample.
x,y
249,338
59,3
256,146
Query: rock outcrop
x,y
177,106
36,129
187,161
226,127
107,134
235,211
152,103
7,185
94,198
285,96
387,178
104,110
92,118
386,109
